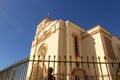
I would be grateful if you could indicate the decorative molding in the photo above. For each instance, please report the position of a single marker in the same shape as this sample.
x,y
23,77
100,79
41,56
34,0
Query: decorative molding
x,y
46,35
107,35
41,27
85,35
99,30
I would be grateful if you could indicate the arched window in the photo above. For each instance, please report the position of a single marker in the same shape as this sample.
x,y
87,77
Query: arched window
x,y
76,46
42,51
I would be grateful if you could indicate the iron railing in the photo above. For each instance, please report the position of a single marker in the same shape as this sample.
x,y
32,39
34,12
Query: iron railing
x,y
64,68
17,71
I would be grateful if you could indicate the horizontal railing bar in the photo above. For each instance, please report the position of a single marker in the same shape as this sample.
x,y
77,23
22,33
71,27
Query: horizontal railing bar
x,y
91,62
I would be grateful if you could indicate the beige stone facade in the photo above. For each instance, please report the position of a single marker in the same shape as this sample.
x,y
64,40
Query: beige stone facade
x,y
65,38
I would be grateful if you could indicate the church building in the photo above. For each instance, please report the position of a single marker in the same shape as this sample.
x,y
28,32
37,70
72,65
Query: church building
x,y
67,47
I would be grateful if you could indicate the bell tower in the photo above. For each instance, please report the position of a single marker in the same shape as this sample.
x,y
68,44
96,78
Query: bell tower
x,y
47,44
55,39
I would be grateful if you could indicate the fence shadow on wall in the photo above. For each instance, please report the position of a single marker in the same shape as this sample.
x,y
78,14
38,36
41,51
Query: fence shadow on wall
x,y
64,68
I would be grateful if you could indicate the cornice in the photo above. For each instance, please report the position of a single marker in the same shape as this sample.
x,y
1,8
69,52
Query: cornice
x,y
68,23
95,30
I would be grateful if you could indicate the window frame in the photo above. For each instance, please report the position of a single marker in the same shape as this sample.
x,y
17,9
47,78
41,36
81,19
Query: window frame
x,y
109,48
76,44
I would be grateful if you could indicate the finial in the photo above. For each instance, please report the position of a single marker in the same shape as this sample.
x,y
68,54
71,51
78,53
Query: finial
x,y
48,14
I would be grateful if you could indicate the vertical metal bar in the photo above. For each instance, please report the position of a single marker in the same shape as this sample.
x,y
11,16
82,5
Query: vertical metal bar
x,y
59,63
118,70
49,61
49,64
13,75
82,67
43,61
19,72
16,75
76,76
22,68
26,68
71,67
77,66
106,63
113,68
54,66
94,67
88,68
32,66
22,72
65,67
6,74
100,68
19,66
37,67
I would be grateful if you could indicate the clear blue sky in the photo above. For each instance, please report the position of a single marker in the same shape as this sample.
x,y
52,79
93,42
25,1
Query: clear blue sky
x,y
18,20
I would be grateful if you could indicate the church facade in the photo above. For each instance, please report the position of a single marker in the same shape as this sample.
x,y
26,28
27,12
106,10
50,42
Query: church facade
x,y
58,40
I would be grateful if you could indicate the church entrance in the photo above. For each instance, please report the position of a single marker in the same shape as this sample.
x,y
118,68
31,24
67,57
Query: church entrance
x,y
38,71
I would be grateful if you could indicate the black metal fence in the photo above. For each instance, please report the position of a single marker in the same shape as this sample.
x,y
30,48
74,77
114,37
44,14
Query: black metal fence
x,y
17,71
63,68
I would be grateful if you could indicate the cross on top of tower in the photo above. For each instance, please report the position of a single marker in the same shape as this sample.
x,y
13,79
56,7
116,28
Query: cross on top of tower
x,y
48,14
